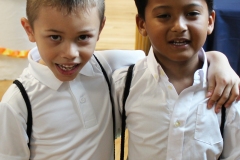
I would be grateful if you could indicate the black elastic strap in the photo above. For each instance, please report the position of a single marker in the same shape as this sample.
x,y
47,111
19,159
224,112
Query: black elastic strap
x,y
223,119
125,95
29,109
111,99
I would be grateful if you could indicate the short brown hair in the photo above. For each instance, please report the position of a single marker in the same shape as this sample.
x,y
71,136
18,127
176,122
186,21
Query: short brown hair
x,y
33,7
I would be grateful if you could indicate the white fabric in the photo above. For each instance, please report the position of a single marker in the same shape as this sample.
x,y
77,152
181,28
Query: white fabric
x,y
71,120
163,125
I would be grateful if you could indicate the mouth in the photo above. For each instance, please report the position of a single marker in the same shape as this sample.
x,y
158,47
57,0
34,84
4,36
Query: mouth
x,y
181,42
65,67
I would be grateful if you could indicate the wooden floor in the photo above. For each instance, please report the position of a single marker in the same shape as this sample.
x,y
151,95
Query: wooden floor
x,y
118,33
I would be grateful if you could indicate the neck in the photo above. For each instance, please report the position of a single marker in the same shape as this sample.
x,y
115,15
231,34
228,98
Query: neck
x,y
181,74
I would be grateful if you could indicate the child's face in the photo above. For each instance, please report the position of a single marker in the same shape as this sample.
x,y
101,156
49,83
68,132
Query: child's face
x,y
65,41
177,29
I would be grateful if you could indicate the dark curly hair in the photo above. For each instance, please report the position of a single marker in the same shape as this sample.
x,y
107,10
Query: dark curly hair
x,y
141,5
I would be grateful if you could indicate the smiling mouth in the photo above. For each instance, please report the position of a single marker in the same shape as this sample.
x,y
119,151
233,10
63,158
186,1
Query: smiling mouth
x,y
67,67
180,42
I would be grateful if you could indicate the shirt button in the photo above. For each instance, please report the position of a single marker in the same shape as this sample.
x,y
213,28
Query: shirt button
x,y
170,87
177,124
82,100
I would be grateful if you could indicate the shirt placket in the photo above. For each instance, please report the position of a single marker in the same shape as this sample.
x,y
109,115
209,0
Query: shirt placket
x,y
84,109
177,124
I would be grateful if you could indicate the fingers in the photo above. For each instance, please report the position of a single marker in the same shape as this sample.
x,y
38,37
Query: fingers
x,y
223,96
211,87
234,95
215,92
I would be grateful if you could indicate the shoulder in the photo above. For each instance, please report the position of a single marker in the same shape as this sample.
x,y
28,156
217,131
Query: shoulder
x,y
120,58
13,101
13,98
120,74
98,60
111,55
11,93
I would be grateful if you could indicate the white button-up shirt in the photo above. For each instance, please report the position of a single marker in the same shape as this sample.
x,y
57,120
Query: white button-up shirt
x,y
163,125
71,120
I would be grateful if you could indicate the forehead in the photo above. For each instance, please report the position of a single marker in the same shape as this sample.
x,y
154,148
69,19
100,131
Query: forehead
x,y
60,19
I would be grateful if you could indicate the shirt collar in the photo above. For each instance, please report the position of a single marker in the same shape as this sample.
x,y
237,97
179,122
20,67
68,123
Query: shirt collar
x,y
154,67
45,75
157,71
201,74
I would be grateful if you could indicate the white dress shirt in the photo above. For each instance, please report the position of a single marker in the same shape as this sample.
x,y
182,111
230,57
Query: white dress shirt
x,y
71,120
163,125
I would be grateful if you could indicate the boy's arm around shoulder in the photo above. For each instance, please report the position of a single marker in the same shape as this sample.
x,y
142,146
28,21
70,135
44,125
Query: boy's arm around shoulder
x,y
13,137
119,58
231,140
118,84
223,82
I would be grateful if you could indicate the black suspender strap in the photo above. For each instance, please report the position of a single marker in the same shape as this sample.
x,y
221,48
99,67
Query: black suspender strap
x,y
125,95
111,99
223,119
29,109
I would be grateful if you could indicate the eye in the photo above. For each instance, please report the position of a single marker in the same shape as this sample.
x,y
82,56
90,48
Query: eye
x,y
164,16
193,14
83,38
56,37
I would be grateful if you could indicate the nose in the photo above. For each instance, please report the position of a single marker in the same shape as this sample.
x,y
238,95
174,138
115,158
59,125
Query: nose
x,y
179,25
70,51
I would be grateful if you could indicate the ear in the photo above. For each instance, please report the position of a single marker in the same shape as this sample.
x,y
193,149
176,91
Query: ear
x,y
141,25
28,29
211,21
101,26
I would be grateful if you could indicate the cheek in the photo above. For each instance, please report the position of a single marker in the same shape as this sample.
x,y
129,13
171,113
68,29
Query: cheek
x,y
199,30
85,56
158,35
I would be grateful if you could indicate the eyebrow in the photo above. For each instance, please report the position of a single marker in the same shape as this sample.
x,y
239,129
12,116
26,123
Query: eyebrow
x,y
56,31
53,30
168,7
161,7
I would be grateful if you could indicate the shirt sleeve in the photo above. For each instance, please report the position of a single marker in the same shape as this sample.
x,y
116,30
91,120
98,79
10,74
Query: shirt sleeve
x,y
231,149
119,58
13,137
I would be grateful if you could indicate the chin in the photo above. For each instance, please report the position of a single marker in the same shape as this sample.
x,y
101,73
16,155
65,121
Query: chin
x,y
66,78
